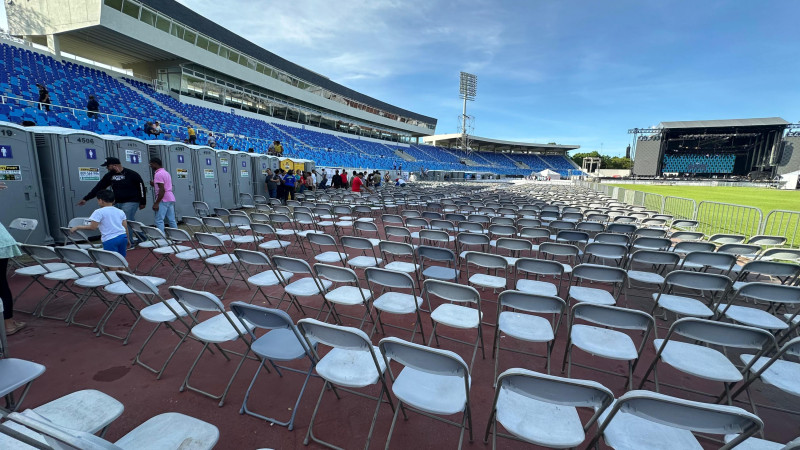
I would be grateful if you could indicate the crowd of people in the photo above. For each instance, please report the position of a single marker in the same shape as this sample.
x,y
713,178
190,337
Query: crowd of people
x,y
283,184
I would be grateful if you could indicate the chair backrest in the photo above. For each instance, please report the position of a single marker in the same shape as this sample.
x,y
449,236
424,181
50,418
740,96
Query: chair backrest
x,y
40,253
321,239
215,222
595,272
655,257
782,254
726,238
107,259
502,230
693,246
74,255
237,220
687,236
402,232
781,270
486,260
687,415
451,292
252,257
138,284
767,240
177,235
650,232
265,318
722,261
391,218
193,222
603,250
336,336
557,390
535,303
554,249
624,228
396,248
572,236
436,254
613,316
723,334
701,281
652,243
590,227
356,243
209,240
612,238
200,300
514,245
388,278
534,233
59,437
416,222
434,235
750,250
426,359
770,292
539,267
293,265
335,273
472,239
368,227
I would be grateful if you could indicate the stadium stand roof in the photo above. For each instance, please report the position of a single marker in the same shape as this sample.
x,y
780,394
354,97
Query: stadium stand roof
x,y
183,14
766,121
496,145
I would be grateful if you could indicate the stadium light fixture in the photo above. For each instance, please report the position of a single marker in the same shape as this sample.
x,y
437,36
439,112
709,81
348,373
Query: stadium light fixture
x,y
467,90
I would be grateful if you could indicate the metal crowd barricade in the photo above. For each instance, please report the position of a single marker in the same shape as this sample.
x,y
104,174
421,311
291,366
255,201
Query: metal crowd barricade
x,y
781,222
680,208
714,217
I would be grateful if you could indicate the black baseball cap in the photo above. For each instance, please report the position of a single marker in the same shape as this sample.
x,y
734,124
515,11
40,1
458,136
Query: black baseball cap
x,y
111,160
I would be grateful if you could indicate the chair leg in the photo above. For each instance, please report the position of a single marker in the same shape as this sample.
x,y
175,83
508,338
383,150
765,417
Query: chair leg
x,y
394,421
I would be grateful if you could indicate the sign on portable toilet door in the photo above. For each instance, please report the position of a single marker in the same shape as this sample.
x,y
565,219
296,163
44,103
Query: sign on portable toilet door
x,y
5,152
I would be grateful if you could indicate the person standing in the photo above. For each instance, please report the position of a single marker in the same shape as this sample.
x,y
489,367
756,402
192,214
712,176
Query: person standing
x,y
336,180
271,184
289,182
128,186
211,141
356,183
44,97
344,179
324,180
8,250
164,204
192,135
92,106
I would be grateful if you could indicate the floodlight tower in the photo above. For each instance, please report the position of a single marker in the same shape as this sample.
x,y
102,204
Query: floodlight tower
x,y
467,89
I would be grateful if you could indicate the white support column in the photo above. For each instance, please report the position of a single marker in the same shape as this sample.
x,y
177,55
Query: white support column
x,y
54,45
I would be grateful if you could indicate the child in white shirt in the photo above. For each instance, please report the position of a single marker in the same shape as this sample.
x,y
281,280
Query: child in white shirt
x,y
111,222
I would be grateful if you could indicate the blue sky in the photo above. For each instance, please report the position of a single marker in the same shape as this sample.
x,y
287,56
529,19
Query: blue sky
x,y
573,72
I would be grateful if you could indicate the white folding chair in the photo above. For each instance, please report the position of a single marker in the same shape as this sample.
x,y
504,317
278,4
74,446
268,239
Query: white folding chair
x,y
281,343
353,362
224,326
698,359
348,293
644,419
162,312
14,374
602,338
778,371
393,302
305,287
433,383
543,409
774,295
516,320
614,277
40,268
716,286
368,257
458,312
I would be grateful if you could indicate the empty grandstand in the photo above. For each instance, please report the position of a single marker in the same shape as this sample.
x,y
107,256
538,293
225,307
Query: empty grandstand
x,y
714,148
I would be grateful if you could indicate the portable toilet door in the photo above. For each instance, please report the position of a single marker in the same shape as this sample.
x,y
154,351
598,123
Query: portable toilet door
x,y
135,155
260,165
177,159
70,164
274,163
242,179
287,164
225,170
205,174
19,170
310,165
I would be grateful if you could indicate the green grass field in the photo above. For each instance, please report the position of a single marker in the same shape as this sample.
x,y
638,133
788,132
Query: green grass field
x,y
721,219
764,199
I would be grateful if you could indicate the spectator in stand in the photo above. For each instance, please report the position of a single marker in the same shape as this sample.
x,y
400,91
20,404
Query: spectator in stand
x,y
271,184
278,148
128,186
336,180
111,222
8,250
192,135
152,128
344,179
211,141
164,204
289,182
356,183
44,97
251,150
92,106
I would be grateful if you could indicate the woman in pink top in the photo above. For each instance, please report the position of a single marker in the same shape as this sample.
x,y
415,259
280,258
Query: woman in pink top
x,y
164,204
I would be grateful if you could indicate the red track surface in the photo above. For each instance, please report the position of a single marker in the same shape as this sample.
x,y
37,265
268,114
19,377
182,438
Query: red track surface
x,y
76,359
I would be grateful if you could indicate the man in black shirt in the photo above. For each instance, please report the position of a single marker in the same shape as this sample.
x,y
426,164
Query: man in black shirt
x,y
92,106
336,180
128,186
